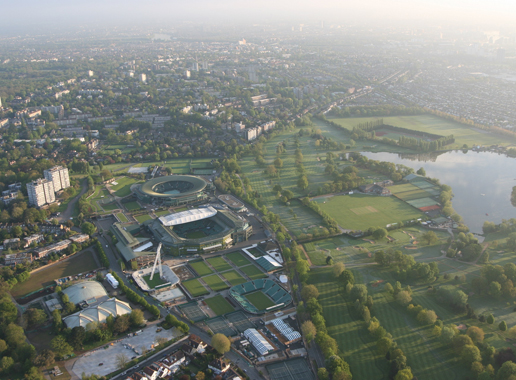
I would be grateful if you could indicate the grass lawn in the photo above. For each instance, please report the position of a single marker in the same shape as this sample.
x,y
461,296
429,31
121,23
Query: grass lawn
x,y
195,234
359,211
195,288
219,305
110,206
253,272
123,186
156,281
162,212
233,277
143,218
132,206
219,263
81,263
238,259
122,217
259,300
215,282
201,268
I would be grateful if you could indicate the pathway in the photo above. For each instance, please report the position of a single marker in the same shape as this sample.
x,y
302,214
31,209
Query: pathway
x,y
67,214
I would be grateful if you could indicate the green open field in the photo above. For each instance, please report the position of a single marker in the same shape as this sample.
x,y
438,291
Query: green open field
x,y
122,217
110,206
201,268
253,272
233,277
156,281
162,212
215,282
143,218
238,259
123,186
360,211
195,288
219,305
195,234
81,263
432,124
219,263
131,206
259,300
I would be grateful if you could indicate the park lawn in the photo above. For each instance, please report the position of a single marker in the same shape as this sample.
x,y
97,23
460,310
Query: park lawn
x,y
195,234
131,206
180,209
156,280
122,217
215,282
143,218
219,305
110,206
259,300
64,204
219,263
80,263
201,268
432,124
253,272
195,288
233,277
238,259
123,186
360,211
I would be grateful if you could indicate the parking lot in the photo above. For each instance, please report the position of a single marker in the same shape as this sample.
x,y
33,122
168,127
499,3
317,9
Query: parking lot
x,y
89,363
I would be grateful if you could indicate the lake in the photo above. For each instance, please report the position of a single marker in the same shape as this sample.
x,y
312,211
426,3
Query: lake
x,y
481,181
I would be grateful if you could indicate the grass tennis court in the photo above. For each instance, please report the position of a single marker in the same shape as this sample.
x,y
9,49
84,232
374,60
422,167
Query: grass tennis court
x,y
201,268
110,206
123,186
360,211
131,206
233,277
122,217
240,321
411,195
219,263
252,272
195,234
220,326
259,300
156,280
422,202
238,259
195,288
143,218
193,312
219,305
215,282
162,212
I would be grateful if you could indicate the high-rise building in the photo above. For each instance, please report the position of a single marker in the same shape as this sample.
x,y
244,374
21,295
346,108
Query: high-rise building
x,y
90,73
195,66
187,74
41,192
59,177
143,77
205,65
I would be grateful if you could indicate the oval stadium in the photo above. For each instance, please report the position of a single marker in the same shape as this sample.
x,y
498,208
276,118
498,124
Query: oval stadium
x,y
173,190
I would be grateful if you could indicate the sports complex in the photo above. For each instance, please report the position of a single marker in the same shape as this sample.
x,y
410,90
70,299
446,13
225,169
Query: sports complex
x,y
260,296
173,190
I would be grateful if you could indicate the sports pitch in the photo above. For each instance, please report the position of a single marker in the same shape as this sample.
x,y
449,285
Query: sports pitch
x,y
252,272
219,305
215,282
195,234
359,211
238,259
201,268
219,264
195,288
259,300
156,280
233,277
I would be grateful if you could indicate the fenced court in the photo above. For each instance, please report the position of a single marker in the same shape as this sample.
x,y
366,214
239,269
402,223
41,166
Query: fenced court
x,y
195,288
201,268
219,305
233,277
253,272
215,282
240,321
193,312
219,263
422,202
296,369
220,325
238,259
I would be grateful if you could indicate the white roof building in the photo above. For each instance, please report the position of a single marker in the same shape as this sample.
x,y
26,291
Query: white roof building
x,y
258,341
187,216
98,313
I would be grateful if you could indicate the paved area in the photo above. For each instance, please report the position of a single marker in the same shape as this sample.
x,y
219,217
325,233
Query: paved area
x,y
89,363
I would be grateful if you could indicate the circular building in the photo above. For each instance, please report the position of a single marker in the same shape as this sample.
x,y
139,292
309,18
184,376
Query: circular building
x,y
86,291
173,190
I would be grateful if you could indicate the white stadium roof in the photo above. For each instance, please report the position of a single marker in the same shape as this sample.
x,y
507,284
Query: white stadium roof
x,y
98,313
187,216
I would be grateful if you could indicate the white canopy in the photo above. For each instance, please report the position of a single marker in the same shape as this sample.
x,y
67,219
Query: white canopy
x,y
187,216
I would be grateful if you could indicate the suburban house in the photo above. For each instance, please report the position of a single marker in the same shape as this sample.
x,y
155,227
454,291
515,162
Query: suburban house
x,y
197,344
174,361
374,188
218,366
150,373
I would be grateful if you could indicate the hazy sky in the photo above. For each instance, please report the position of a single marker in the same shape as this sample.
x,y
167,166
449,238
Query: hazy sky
x,y
21,14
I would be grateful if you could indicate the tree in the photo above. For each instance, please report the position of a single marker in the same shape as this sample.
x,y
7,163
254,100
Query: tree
x,y
309,291
302,182
502,326
388,288
88,228
383,345
359,292
221,343
3,346
200,376
136,317
430,237
322,374
476,334
470,354
403,297
507,371
512,332
379,233
121,324
45,358
35,317
77,337
6,363
404,374
346,277
490,319
427,317
495,289
278,163
60,346
337,269
421,171
121,361
309,331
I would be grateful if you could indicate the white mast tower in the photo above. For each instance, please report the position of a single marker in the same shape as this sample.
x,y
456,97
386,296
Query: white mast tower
x,y
157,261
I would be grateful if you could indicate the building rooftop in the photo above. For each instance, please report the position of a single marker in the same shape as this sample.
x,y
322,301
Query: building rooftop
x,y
85,291
187,216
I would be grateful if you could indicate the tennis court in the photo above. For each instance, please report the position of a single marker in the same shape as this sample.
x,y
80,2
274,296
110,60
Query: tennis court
x,y
422,202
193,312
240,321
411,195
238,259
220,325
296,369
201,268
423,184
219,264
253,272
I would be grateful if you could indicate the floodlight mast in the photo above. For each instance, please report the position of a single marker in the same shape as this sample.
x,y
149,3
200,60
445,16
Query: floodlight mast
x,y
157,261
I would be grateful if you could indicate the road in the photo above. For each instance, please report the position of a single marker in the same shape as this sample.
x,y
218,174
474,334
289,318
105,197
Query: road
x,y
67,214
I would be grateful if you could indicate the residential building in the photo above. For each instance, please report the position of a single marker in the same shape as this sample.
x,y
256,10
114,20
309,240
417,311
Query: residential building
x,y
143,77
90,73
218,366
35,238
59,177
11,243
187,74
79,238
17,258
41,192
56,247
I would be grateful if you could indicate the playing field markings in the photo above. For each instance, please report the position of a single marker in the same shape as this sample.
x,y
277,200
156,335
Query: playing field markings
x,y
193,312
220,325
371,208
363,210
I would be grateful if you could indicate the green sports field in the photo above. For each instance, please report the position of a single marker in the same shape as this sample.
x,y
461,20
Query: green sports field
x,y
259,300
143,218
215,282
219,305
219,264
131,206
123,186
195,288
195,234
233,277
201,268
122,217
238,259
360,211
252,272
156,281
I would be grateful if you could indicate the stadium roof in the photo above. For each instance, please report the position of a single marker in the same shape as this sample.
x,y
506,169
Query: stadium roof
x,y
268,263
85,291
198,185
259,342
98,313
187,216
